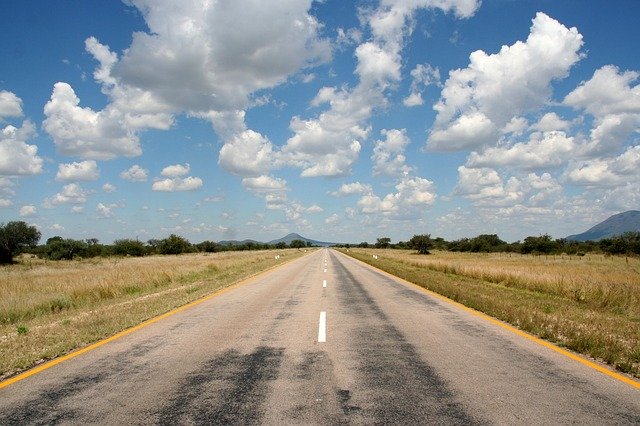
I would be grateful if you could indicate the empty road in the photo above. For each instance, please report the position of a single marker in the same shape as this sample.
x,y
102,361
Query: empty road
x,y
321,340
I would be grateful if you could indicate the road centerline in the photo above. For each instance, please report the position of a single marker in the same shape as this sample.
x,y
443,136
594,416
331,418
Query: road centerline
x,y
322,328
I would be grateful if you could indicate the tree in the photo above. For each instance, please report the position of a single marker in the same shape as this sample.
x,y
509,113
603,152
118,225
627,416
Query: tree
x,y
59,249
128,247
297,244
281,245
174,244
422,243
14,237
383,242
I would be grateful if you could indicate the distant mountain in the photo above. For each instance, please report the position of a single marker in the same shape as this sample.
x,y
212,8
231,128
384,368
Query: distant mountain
x,y
293,236
616,225
237,243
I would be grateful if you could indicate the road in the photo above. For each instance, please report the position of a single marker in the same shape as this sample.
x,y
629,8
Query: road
x,y
388,353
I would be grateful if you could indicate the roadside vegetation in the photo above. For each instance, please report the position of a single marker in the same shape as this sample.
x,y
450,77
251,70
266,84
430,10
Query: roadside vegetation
x,y
49,308
626,244
588,303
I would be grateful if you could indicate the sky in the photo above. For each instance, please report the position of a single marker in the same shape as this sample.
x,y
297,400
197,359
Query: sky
x,y
342,121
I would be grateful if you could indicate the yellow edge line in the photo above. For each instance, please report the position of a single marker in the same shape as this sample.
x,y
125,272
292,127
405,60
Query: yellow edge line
x,y
123,333
555,348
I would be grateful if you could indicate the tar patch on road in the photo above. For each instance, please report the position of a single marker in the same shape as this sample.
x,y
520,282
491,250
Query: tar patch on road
x,y
401,387
228,389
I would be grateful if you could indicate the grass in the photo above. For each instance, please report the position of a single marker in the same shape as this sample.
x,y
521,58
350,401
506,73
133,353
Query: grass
x,y
50,308
588,304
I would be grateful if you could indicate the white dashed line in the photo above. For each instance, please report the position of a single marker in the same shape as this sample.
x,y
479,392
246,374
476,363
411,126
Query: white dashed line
x,y
325,269
322,329
324,283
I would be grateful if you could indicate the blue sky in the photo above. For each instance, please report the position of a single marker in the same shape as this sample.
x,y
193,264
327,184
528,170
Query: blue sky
x,y
343,121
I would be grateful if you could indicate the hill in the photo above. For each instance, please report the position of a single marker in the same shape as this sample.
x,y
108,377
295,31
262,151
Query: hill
x,y
237,243
616,225
293,236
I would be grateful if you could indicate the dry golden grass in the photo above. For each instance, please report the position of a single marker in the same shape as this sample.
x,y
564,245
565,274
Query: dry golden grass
x,y
590,304
48,308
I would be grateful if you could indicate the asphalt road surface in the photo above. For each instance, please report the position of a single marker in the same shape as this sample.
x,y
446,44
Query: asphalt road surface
x,y
321,342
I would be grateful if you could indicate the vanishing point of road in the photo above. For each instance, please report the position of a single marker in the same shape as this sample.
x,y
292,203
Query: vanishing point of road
x,y
323,339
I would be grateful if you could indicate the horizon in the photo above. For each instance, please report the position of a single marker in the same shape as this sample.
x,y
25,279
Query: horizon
x,y
345,121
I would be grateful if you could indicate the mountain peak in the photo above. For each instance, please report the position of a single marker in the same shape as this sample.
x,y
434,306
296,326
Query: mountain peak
x,y
615,225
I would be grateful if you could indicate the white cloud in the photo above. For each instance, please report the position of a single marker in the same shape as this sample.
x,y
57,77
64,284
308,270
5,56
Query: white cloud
x,y
83,132
603,172
7,185
550,122
608,92
609,97
351,189
5,203
71,194
477,101
550,149
10,105
330,144
388,154
135,173
422,75
247,153
332,220
77,209
17,158
176,170
413,194
315,209
177,184
105,211
27,211
56,227
75,172
264,183
108,188
485,186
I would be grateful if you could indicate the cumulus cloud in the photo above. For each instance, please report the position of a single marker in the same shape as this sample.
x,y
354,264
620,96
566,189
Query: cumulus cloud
x,y
83,132
71,193
176,170
329,144
104,210
603,172
5,203
189,183
550,149
388,154
17,157
411,193
478,101
264,183
332,220
108,188
247,153
10,105
422,75
610,98
135,173
351,189
75,172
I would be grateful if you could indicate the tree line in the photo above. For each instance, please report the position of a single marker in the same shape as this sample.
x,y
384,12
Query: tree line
x,y
626,244
17,237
